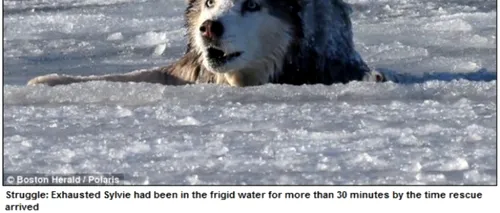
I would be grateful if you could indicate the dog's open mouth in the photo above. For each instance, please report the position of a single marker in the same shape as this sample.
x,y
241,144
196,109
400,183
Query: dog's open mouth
x,y
219,57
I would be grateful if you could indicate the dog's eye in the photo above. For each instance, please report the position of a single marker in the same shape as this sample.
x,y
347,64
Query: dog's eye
x,y
209,3
251,5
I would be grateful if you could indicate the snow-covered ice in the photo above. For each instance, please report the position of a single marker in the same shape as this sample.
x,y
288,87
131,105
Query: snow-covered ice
x,y
438,129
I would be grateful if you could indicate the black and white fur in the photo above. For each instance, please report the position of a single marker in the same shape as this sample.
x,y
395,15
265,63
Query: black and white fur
x,y
255,42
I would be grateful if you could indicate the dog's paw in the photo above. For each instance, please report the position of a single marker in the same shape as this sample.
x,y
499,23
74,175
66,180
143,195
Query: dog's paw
x,y
51,80
374,76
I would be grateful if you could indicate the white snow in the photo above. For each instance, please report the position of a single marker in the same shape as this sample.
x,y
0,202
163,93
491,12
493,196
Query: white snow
x,y
434,129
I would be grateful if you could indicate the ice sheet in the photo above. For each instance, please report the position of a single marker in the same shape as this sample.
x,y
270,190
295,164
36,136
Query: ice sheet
x,y
435,130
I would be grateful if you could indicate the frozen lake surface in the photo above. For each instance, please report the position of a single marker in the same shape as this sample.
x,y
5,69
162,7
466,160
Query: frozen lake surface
x,y
440,129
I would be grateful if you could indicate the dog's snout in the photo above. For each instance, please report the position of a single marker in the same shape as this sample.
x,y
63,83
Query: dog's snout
x,y
212,29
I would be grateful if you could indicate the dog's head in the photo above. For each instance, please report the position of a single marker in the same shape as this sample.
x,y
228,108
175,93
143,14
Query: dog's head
x,y
232,35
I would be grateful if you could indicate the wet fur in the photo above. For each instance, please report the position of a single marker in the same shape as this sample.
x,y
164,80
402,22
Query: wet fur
x,y
307,59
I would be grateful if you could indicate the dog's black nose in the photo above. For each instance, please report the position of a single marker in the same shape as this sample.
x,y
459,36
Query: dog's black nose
x,y
212,29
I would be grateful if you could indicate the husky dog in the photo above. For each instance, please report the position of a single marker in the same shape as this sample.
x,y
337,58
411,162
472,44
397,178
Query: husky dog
x,y
254,42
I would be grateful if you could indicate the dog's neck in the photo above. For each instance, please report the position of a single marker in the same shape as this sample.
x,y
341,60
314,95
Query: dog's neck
x,y
257,74
250,76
